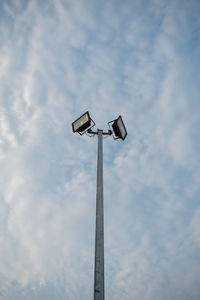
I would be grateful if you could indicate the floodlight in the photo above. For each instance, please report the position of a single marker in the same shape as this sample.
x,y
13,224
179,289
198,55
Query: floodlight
x,y
119,128
82,123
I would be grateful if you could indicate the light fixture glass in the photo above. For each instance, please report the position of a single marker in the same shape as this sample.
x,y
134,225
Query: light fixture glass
x,y
119,128
82,123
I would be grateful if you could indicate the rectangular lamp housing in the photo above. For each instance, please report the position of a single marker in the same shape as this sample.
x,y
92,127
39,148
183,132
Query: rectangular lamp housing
x,y
82,123
119,128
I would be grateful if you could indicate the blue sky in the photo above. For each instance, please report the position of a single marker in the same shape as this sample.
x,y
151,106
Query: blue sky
x,y
138,59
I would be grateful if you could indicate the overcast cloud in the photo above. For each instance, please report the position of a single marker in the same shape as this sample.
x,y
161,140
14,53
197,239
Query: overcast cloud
x,y
138,59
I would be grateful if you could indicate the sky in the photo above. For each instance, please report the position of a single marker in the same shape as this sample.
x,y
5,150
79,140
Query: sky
x,y
137,59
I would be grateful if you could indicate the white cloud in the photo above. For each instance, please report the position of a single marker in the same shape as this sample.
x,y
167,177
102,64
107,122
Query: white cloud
x,y
59,60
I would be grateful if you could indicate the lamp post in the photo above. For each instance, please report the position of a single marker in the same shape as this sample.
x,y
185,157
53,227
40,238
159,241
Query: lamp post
x,y
83,125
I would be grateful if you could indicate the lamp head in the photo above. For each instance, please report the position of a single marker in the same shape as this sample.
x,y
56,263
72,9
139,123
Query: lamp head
x,y
82,123
119,128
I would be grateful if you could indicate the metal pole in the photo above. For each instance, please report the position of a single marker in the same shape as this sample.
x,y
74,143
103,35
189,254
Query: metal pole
x,y
99,234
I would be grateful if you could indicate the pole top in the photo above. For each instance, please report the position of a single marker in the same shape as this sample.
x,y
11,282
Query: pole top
x,y
109,132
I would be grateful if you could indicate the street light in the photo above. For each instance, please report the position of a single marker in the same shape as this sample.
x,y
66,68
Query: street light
x,y
83,125
119,128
